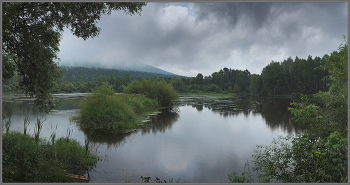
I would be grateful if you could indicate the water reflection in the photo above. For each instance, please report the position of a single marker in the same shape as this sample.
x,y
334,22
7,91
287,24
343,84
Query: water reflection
x,y
273,110
20,104
15,106
109,139
201,140
276,114
162,122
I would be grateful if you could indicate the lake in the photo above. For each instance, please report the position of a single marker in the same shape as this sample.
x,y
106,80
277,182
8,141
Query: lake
x,y
201,140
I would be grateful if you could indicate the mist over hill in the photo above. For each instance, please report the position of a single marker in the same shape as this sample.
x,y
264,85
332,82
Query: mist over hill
x,y
126,67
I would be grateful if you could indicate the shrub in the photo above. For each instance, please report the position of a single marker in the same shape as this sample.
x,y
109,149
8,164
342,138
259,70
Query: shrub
x,y
100,111
159,90
104,110
104,89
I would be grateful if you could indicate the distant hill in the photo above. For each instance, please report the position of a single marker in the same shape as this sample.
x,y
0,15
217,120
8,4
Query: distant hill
x,y
148,68
72,73
139,67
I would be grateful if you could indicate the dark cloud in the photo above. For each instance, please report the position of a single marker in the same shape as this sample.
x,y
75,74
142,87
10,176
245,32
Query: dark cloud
x,y
206,37
230,13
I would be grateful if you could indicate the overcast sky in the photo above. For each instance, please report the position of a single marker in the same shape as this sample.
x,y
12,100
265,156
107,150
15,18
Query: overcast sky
x,y
192,38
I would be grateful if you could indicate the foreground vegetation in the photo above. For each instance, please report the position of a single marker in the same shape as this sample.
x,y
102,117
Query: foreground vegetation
x,y
320,153
28,158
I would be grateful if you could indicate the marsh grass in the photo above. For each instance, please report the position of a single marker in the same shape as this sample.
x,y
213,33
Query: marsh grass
x,y
25,159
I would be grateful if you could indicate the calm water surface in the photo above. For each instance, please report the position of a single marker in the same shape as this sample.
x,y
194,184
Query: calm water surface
x,y
202,140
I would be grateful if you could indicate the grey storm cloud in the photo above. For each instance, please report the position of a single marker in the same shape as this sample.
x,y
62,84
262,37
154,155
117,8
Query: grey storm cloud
x,y
206,37
230,13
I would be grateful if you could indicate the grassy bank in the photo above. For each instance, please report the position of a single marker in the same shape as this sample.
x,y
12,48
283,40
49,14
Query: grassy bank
x,y
29,159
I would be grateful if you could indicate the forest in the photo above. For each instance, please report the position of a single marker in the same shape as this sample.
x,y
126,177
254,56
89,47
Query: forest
x,y
305,76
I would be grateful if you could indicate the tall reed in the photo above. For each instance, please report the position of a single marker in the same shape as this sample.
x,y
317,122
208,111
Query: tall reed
x,y
37,129
68,134
53,135
25,124
7,123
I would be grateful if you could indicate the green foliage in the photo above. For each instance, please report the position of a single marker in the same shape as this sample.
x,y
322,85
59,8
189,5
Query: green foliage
x,y
256,84
158,90
320,154
8,65
104,89
178,84
212,88
247,177
298,76
105,110
32,31
306,113
236,88
307,159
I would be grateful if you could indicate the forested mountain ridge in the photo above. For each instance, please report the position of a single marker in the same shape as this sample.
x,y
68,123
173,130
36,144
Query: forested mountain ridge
x,y
84,74
125,67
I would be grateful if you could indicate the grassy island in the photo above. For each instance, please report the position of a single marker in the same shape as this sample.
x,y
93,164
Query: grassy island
x,y
107,111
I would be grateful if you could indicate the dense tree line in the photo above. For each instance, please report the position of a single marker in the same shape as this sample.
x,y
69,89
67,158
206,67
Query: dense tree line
x,y
82,79
223,81
304,76
320,153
